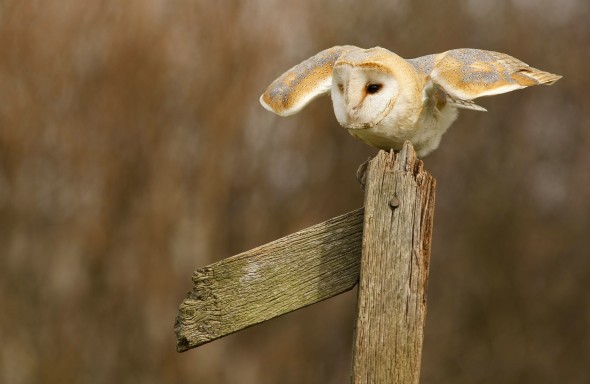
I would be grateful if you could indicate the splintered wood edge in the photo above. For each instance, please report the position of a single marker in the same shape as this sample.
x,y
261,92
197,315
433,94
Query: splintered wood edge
x,y
405,160
279,277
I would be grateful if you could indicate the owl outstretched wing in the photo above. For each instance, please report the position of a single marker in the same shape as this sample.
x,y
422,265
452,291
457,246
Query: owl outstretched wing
x,y
466,74
312,78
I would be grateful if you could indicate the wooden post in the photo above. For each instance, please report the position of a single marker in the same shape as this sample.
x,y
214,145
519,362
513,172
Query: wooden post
x,y
393,233
399,208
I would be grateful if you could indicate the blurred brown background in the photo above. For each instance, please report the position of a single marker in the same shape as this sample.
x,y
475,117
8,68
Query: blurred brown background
x,y
133,150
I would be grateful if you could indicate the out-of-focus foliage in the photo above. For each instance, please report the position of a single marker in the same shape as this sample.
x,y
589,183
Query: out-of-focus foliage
x,y
133,150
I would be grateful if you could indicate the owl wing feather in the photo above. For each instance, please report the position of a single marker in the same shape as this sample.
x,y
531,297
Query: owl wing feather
x,y
466,74
437,97
312,78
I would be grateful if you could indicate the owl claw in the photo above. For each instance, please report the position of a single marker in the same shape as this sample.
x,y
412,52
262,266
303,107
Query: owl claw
x,y
361,173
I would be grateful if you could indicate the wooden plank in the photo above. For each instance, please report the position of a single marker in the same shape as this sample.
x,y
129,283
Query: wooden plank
x,y
399,208
295,271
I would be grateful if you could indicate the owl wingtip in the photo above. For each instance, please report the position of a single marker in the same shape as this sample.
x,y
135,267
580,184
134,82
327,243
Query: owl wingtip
x,y
553,78
264,103
541,77
277,110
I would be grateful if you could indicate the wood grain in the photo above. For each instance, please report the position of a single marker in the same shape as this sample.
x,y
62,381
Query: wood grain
x,y
279,277
399,208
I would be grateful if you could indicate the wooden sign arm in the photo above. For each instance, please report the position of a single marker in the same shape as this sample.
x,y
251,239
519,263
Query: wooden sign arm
x,y
276,278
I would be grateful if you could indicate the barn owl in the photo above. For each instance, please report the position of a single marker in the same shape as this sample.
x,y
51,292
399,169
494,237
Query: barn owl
x,y
384,100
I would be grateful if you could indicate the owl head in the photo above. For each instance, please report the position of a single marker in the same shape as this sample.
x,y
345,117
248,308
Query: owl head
x,y
365,85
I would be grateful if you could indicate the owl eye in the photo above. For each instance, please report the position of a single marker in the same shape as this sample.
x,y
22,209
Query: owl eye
x,y
374,88
341,88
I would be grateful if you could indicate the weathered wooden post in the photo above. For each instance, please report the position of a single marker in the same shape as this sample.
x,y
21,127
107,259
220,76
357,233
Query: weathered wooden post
x,y
399,209
388,242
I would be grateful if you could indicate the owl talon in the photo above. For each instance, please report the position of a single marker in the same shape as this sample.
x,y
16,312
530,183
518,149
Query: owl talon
x,y
361,173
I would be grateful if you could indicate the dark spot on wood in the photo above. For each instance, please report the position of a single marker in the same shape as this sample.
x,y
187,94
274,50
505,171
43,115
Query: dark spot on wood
x,y
394,203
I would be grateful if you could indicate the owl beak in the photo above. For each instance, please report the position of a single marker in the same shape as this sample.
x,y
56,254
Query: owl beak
x,y
352,115
358,125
